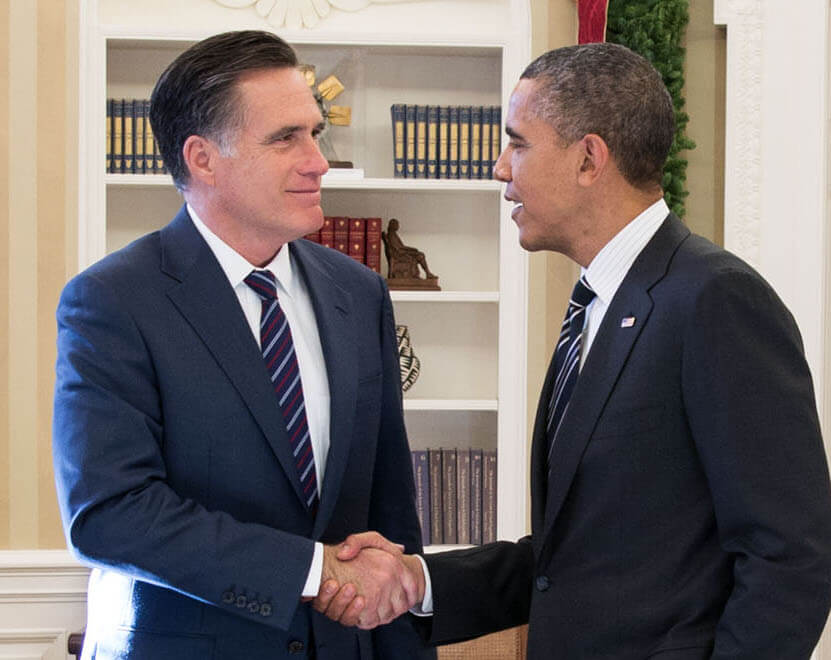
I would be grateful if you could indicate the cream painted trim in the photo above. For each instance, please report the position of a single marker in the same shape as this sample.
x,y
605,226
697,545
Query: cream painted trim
x,y
42,601
26,644
743,150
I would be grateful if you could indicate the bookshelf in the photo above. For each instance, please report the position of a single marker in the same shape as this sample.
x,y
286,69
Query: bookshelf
x,y
471,336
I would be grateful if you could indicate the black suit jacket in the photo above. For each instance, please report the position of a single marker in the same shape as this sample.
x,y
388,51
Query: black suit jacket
x,y
688,513
174,473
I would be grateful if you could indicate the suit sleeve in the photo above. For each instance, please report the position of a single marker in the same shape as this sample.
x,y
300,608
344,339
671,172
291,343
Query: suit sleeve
x,y
118,509
392,503
479,590
751,409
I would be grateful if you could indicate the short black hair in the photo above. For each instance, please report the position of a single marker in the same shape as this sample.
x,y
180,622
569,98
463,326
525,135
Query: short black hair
x,y
608,90
197,94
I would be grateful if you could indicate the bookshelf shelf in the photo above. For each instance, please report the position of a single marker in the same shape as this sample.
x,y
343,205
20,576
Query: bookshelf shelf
x,y
414,185
471,336
139,180
441,548
451,404
336,182
445,296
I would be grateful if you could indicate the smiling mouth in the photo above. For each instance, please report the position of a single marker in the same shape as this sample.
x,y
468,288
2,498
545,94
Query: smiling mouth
x,y
308,195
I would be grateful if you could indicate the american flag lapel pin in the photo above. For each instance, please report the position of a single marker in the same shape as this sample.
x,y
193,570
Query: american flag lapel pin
x,y
627,321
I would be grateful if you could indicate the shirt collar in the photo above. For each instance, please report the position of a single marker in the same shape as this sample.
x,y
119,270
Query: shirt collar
x,y
608,268
236,267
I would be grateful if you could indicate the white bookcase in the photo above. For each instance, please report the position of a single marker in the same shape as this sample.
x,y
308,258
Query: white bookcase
x,y
471,336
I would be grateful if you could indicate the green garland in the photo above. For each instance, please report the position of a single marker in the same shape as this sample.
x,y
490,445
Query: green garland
x,y
655,29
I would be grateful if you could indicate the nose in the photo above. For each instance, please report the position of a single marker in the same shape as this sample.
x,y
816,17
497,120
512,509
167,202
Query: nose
x,y
502,169
315,162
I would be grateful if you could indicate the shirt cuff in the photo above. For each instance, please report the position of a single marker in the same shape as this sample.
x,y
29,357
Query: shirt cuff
x,y
426,608
315,573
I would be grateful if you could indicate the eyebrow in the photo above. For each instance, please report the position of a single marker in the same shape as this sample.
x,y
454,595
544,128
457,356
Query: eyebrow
x,y
287,131
513,134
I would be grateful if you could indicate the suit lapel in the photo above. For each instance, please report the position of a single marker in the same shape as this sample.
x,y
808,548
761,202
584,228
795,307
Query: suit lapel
x,y
609,353
205,298
539,478
332,306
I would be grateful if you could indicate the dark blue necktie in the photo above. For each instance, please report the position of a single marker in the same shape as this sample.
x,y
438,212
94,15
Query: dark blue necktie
x,y
281,364
567,358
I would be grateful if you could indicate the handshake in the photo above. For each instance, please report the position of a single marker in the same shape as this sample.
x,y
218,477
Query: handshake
x,y
368,581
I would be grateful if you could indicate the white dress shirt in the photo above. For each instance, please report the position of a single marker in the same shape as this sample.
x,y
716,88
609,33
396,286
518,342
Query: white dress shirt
x,y
604,274
609,266
296,304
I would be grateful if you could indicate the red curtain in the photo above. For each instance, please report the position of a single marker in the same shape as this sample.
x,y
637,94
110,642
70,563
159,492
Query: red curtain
x,y
591,15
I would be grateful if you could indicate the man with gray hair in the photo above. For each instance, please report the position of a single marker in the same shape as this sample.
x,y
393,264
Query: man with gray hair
x,y
681,506
228,397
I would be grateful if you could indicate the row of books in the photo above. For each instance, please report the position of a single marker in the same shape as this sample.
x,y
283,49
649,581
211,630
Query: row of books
x,y
131,147
445,142
456,495
360,238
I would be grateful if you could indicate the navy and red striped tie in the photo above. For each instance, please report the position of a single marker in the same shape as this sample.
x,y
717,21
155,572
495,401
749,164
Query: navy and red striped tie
x,y
281,364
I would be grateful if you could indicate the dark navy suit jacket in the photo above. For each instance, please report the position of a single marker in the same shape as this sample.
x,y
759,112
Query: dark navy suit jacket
x,y
688,512
173,469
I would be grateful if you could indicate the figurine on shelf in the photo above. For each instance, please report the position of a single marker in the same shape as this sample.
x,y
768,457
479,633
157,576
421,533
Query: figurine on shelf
x,y
409,364
404,261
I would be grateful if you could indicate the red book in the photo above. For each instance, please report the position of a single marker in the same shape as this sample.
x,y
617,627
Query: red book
x,y
373,244
357,239
341,234
327,232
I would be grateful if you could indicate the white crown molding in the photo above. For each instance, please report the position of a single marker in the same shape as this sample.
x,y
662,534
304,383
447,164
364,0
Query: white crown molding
x,y
295,14
744,114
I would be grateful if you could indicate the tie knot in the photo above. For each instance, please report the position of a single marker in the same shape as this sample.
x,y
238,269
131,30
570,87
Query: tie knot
x,y
583,294
263,283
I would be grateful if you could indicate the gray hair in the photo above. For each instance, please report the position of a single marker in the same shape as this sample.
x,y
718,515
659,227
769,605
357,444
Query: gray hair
x,y
198,94
608,90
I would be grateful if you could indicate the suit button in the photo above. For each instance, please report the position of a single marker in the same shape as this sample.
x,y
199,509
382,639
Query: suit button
x,y
543,583
265,609
253,607
242,601
296,647
229,597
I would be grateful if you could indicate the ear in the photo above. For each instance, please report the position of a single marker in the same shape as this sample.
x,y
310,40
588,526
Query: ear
x,y
595,159
200,155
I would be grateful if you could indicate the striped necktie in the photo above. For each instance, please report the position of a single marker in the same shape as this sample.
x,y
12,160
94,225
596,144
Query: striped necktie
x,y
567,358
281,364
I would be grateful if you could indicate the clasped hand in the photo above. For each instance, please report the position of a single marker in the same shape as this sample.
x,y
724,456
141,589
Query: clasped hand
x,y
368,581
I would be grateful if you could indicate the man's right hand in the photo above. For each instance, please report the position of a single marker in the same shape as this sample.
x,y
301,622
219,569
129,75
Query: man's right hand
x,y
367,581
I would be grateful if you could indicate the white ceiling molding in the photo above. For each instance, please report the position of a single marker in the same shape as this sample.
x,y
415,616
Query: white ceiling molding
x,y
295,14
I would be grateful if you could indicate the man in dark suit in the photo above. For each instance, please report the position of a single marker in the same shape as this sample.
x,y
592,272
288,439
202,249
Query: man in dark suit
x,y
228,397
680,496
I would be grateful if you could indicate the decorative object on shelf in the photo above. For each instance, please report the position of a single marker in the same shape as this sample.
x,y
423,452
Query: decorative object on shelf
x,y
410,365
404,262
335,115
295,14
